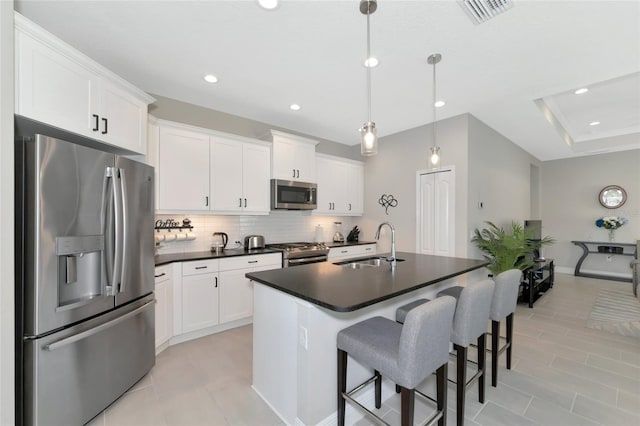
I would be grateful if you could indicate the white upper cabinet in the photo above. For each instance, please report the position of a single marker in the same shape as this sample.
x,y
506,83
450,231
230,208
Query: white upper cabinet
x,y
183,170
207,171
58,85
340,186
239,176
293,157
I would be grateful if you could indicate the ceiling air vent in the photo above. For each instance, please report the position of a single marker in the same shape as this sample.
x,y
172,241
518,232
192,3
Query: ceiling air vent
x,y
483,10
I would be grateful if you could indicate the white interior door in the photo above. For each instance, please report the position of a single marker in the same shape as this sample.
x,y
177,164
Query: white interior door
x,y
436,213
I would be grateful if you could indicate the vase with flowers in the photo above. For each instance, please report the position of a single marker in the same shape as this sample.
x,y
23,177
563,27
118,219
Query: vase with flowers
x,y
611,223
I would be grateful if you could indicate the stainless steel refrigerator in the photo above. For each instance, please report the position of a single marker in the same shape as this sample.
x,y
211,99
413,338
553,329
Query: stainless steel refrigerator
x,y
84,289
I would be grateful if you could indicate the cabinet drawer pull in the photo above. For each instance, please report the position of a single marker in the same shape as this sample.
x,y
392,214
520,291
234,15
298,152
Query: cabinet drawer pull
x,y
106,123
206,201
344,251
245,202
96,126
161,275
252,261
294,173
201,267
368,249
216,281
298,173
349,206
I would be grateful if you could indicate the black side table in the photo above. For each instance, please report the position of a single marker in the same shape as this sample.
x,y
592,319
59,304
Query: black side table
x,y
537,280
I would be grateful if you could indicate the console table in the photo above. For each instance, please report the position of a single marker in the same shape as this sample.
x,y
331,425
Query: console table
x,y
537,280
594,247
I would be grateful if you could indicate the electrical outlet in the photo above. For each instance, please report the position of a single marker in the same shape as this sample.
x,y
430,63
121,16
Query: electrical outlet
x,y
303,337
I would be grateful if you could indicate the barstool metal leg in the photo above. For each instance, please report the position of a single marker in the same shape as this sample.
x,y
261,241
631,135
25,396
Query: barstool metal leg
x,y
461,382
509,339
378,389
342,385
495,340
482,357
441,393
407,400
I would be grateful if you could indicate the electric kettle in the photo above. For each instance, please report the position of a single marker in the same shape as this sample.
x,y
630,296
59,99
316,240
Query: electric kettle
x,y
220,239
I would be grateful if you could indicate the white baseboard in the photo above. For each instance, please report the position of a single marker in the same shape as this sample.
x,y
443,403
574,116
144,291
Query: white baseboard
x,y
209,330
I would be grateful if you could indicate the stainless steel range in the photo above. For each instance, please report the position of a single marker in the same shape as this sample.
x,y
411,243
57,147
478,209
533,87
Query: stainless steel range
x,y
294,254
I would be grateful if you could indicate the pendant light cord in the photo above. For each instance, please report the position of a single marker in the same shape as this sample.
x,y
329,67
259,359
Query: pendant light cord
x,y
368,64
433,105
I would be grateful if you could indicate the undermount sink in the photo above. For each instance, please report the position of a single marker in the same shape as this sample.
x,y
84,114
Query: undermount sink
x,y
369,262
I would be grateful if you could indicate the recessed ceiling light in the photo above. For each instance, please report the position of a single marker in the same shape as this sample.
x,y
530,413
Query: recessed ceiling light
x,y
439,104
210,78
371,62
594,123
268,4
581,91
294,107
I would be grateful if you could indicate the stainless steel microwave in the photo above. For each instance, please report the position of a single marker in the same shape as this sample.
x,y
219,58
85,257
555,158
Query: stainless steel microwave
x,y
293,195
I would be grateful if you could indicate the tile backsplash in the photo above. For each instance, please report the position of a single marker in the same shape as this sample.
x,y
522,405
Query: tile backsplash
x,y
277,227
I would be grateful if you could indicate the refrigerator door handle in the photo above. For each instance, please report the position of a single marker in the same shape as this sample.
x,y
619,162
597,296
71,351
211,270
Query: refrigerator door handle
x,y
117,252
124,230
95,330
106,220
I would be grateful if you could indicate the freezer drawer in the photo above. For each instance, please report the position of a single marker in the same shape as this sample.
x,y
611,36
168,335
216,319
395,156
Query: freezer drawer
x,y
72,375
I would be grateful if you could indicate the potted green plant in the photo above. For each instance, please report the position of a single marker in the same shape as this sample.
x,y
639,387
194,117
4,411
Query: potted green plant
x,y
508,250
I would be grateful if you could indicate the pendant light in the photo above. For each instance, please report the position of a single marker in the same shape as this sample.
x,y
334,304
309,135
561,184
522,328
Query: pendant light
x,y
434,156
369,141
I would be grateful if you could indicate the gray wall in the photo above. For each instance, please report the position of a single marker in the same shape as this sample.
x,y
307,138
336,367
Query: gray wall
x,y
500,178
393,171
570,190
489,168
182,112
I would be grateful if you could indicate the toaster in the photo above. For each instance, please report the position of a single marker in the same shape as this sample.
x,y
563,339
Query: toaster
x,y
253,242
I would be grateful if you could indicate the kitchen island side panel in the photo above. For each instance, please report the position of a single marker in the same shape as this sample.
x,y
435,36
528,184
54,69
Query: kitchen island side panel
x,y
294,353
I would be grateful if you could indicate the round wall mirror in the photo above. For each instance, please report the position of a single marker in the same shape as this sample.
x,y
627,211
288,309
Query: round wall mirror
x,y
612,196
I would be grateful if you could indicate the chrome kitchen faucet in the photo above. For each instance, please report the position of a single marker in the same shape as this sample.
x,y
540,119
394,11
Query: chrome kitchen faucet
x,y
391,259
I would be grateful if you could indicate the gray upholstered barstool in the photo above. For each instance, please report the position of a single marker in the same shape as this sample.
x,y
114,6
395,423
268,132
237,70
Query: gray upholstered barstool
x,y
469,324
503,305
406,354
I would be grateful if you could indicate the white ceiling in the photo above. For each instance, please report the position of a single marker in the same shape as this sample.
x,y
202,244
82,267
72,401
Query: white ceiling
x,y
311,53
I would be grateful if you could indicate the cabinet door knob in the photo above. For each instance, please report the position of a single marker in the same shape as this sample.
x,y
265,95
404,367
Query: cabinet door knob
x,y
106,123
96,125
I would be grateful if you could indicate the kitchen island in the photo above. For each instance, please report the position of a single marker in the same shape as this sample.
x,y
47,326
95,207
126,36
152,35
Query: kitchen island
x,y
299,311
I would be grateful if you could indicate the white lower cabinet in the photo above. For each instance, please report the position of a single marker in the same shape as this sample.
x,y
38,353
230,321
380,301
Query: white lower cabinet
x,y
346,252
213,293
200,295
236,290
164,304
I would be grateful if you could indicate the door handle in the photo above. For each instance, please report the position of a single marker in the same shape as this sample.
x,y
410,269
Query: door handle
x,y
88,333
106,123
96,125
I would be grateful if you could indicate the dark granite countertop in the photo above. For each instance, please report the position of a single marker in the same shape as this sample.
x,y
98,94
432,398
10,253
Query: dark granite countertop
x,y
163,259
344,290
331,244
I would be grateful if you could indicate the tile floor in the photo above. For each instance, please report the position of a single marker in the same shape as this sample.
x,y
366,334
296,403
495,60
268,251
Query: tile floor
x,y
563,374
